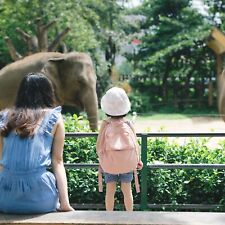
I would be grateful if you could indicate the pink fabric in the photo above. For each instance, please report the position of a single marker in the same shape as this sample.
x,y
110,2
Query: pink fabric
x,y
118,149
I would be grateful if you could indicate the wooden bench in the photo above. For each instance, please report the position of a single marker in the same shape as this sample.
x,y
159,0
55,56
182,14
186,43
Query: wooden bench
x,y
116,217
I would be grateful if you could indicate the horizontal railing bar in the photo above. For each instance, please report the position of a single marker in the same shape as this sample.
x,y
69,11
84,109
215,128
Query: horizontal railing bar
x,y
81,134
154,134
81,165
167,134
152,206
185,206
186,166
152,166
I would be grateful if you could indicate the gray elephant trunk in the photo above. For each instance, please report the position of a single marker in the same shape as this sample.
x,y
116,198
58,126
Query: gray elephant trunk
x,y
91,107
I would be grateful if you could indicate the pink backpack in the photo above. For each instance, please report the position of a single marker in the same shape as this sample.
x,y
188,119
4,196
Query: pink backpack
x,y
118,149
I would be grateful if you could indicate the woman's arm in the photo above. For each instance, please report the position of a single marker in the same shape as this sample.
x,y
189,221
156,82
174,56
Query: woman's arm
x,y
58,166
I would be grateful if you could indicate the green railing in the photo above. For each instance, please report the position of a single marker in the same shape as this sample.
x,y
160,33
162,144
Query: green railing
x,y
144,137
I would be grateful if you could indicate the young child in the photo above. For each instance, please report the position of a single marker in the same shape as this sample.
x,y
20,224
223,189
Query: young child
x,y
117,147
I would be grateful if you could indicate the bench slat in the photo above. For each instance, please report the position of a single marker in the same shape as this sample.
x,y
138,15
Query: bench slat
x,y
116,218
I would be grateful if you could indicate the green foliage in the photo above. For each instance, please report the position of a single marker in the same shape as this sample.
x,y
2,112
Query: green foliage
x,y
75,123
90,22
175,186
68,13
82,183
190,186
15,14
173,63
139,102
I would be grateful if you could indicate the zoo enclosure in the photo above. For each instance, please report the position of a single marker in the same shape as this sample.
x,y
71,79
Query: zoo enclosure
x,y
143,184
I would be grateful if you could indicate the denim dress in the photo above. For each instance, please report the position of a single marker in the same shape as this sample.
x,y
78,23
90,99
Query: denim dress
x,y
25,184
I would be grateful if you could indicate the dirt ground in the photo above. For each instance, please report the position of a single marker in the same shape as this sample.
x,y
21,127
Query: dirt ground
x,y
195,125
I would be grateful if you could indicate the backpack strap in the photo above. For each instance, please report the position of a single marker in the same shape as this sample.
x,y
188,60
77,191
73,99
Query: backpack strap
x,y
137,145
136,180
100,139
100,149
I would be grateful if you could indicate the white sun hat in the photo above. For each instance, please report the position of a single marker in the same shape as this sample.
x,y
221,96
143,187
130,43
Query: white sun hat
x,y
115,102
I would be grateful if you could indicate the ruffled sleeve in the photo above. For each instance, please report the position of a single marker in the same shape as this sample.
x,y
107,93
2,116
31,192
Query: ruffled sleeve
x,y
3,116
52,119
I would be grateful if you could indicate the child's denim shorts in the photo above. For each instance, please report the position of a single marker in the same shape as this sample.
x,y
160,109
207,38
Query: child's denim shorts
x,y
123,177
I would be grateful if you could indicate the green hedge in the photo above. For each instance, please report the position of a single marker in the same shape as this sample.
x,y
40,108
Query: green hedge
x,y
174,186
190,186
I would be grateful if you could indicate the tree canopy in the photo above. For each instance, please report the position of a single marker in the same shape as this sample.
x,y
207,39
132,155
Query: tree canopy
x,y
169,64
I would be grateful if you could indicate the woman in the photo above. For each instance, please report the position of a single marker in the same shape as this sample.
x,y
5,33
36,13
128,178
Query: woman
x,y
32,138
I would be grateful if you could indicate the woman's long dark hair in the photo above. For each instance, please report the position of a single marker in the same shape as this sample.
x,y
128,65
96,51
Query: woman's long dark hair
x,y
35,94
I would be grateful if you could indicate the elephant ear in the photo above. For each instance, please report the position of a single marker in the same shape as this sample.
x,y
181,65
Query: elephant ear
x,y
52,64
56,59
51,67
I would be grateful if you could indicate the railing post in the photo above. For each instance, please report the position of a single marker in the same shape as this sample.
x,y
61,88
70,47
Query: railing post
x,y
144,172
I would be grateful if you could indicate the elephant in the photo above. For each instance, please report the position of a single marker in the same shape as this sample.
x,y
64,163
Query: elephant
x,y
221,94
72,75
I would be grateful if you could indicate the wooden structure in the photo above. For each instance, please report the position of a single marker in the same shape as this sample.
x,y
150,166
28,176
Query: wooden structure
x,y
116,218
216,41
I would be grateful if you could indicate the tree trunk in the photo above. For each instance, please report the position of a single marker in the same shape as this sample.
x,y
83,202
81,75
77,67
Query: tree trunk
x,y
39,41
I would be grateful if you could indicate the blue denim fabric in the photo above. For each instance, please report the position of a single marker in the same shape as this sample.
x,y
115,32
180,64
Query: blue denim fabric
x,y
123,177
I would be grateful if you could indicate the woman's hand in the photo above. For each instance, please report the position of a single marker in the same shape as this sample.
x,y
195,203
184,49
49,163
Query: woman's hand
x,y
65,208
140,165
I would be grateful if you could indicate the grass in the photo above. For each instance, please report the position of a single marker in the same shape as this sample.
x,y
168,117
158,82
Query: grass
x,y
171,113
167,113
162,116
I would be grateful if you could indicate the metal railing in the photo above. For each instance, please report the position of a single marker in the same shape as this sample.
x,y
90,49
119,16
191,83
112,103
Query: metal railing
x,y
144,136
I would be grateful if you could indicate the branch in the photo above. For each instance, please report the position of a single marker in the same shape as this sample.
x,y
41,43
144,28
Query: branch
x,y
12,51
30,41
25,36
49,25
53,46
42,34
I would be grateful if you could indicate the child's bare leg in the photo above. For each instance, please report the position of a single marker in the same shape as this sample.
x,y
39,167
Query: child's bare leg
x,y
109,197
127,195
